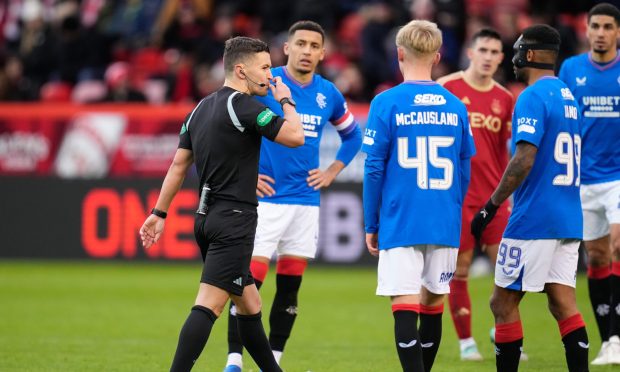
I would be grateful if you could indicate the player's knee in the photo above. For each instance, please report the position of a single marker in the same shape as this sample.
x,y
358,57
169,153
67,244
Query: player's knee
x,y
615,248
461,272
499,307
598,254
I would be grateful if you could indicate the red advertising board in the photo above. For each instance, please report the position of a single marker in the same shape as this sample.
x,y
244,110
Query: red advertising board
x,y
94,141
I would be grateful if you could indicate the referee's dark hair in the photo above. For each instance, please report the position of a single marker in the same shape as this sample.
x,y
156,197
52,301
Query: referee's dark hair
x,y
543,34
308,26
488,33
605,9
239,48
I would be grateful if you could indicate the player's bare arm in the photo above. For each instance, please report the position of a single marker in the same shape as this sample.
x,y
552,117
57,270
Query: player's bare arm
x,y
518,168
318,178
151,230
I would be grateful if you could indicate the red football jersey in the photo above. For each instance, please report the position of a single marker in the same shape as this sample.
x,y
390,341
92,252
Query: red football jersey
x,y
490,112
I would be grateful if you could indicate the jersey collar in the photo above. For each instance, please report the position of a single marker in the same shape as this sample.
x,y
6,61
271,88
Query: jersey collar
x,y
604,67
295,81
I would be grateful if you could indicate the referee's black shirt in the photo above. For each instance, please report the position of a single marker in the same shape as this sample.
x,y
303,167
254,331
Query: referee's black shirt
x,y
224,134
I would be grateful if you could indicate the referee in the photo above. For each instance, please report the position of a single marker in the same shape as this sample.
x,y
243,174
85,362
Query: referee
x,y
222,135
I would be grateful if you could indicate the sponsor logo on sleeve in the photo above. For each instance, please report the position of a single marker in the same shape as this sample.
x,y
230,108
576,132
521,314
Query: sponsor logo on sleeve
x,y
183,128
527,125
369,137
264,117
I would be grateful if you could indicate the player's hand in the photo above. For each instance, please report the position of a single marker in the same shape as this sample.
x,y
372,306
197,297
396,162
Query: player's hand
x,y
318,179
151,230
279,90
372,242
263,186
482,219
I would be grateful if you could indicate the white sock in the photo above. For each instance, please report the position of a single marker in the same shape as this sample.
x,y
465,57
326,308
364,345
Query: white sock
x,y
278,355
465,342
235,359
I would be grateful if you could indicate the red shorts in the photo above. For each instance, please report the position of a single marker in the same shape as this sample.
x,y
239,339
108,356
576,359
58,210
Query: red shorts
x,y
493,232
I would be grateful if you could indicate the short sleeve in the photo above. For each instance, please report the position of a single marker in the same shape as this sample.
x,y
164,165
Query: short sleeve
x,y
528,119
377,135
256,117
185,142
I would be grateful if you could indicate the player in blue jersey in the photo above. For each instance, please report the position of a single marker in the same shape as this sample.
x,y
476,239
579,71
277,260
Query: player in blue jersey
x,y
594,79
290,182
540,247
418,145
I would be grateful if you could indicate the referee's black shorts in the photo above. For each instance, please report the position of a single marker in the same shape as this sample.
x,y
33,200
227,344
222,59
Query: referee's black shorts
x,y
226,240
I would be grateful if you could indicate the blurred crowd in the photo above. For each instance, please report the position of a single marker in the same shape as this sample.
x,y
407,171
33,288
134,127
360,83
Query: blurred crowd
x,y
157,51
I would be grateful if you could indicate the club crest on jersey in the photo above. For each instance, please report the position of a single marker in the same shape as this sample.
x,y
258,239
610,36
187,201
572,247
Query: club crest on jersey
x,y
581,81
496,106
321,100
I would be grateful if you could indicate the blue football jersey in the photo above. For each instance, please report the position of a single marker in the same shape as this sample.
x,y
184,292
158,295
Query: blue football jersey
x,y
418,135
597,91
318,103
547,204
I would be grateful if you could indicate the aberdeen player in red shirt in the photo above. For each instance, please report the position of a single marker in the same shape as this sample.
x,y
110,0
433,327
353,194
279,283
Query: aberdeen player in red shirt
x,y
489,106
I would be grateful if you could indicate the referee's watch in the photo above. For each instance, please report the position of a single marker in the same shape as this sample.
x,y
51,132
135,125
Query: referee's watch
x,y
288,100
159,213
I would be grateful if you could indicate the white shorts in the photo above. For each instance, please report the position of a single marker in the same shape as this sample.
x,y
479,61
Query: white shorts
x,y
527,265
404,270
601,207
286,228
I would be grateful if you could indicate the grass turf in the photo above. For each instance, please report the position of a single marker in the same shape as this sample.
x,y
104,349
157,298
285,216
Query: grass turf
x,y
110,316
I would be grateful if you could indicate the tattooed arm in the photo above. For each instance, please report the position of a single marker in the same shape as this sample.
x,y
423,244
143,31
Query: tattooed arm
x,y
516,171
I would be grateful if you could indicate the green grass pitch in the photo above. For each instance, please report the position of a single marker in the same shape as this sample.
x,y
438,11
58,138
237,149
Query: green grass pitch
x,y
108,316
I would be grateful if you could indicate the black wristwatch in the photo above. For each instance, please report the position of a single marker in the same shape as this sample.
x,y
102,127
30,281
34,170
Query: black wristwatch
x,y
288,100
158,213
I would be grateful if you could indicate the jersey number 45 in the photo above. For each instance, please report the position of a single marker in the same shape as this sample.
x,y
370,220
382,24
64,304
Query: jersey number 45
x,y
428,152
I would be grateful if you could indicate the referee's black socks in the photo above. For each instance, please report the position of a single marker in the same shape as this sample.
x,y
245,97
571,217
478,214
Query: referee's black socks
x,y
234,341
193,338
255,341
576,345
